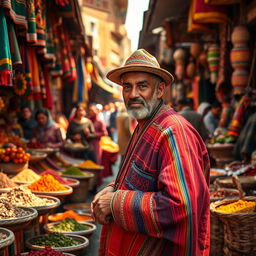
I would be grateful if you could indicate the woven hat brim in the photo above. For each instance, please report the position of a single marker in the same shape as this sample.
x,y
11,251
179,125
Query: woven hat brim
x,y
115,74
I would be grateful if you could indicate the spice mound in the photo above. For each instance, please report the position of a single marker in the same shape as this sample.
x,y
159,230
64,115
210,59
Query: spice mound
x,y
5,182
7,210
24,197
47,183
45,252
56,176
69,225
26,175
75,172
55,240
88,164
240,206
70,214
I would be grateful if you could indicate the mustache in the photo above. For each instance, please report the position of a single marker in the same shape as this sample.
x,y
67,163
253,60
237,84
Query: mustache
x,y
135,100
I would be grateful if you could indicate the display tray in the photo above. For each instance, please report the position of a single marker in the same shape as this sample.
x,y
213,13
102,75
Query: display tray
x,y
8,240
88,176
87,216
37,156
80,207
87,232
47,208
55,193
74,147
43,150
84,242
64,253
32,213
90,169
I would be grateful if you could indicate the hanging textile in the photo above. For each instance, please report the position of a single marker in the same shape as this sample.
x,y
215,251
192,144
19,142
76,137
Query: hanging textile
x,y
16,10
208,13
31,17
223,2
194,26
40,10
239,116
42,83
34,69
80,78
5,54
67,59
48,102
14,46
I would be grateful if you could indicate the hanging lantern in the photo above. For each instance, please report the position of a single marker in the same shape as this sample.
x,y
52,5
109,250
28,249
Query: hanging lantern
x,y
195,50
179,58
191,69
89,67
213,58
240,58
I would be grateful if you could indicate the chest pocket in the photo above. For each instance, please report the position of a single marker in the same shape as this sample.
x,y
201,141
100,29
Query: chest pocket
x,y
139,179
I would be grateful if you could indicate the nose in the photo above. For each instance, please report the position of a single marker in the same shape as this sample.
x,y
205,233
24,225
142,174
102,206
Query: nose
x,y
134,92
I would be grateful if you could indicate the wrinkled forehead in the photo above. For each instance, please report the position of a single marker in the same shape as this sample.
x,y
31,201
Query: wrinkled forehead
x,y
138,76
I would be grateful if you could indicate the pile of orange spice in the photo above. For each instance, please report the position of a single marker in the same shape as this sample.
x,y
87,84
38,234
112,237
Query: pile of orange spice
x,y
70,214
89,165
47,183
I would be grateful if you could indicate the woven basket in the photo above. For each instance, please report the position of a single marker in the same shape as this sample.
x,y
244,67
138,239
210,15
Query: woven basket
x,y
239,229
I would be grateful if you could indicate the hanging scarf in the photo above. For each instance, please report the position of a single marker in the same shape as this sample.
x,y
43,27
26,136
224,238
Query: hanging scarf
x,y
40,10
194,26
34,69
31,17
17,11
48,103
208,13
14,46
80,78
5,54
238,117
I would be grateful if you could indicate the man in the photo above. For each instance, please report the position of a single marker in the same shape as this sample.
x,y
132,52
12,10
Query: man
x,y
159,203
185,107
27,122
212,118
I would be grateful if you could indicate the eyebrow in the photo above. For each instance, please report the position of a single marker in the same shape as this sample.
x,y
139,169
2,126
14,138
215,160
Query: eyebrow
x,y
138,83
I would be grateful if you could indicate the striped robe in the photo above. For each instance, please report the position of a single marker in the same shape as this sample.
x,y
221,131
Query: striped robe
x,y
161,205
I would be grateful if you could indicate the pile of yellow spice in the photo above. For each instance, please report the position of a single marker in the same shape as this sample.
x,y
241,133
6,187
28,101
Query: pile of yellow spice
x,y
88,164
26,175
240,206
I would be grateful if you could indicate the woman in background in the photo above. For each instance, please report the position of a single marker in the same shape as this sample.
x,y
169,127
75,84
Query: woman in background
x,y
46,133
81,130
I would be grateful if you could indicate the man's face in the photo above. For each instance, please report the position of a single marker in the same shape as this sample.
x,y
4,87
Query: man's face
x,y
141,93
26,113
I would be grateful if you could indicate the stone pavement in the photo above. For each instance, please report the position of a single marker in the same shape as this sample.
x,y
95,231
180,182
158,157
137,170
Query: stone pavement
x,y
92,249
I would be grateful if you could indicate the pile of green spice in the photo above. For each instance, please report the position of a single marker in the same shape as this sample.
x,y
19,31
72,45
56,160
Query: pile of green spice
x,y
72,170
55,240
68,225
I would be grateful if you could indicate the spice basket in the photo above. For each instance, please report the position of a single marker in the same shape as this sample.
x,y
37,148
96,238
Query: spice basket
x,y
80,192
8,240
239,229
85,233
13,223
12,168
76,249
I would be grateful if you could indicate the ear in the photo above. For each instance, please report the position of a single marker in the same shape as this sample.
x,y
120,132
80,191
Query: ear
x,y
160,90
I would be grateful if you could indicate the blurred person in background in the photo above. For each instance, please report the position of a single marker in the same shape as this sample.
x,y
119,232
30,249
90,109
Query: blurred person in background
x,y
99,131
226,113
26,121
106,116
81,130
212,118
203,108
124,130
46,133
185,107
112,123
12,126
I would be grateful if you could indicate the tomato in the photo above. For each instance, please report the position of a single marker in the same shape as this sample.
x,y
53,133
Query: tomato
x,y
20,149
7,151
6,159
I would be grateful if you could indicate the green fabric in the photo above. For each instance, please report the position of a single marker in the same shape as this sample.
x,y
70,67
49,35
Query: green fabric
x,y
31,16
5,54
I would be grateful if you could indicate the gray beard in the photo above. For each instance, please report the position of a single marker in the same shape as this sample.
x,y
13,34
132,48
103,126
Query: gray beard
x,y
146,111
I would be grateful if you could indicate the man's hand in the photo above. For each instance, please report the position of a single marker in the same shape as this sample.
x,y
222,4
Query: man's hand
x,y
100,205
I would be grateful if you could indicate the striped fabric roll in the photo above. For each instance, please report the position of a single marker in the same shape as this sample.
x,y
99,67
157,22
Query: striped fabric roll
x,y
213,58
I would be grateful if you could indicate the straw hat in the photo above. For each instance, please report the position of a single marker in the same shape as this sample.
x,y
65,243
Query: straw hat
x,y
140,61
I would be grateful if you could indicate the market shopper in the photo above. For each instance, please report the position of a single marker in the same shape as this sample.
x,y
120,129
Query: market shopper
x,y
81,130
26,121
159,203
46,133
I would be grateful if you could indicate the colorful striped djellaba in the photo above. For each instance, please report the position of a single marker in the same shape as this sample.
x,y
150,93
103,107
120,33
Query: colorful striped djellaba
x,y
161,205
